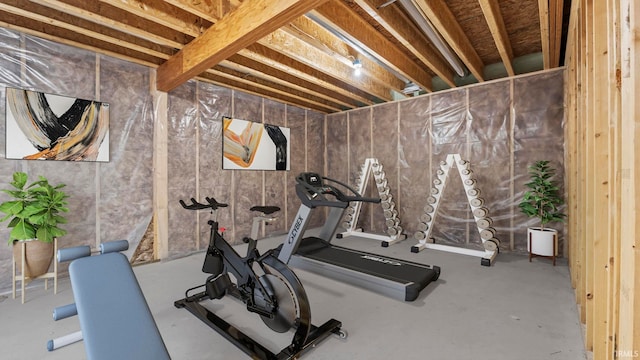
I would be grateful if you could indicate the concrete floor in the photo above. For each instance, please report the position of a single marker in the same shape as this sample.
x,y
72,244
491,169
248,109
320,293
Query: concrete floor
x,y
512,310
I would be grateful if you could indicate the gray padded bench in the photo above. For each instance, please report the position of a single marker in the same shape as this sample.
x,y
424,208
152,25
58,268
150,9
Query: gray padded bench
x,y
115,319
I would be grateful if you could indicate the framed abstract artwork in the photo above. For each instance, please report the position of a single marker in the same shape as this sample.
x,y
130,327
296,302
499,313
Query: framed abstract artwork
x,y
249,145
43,126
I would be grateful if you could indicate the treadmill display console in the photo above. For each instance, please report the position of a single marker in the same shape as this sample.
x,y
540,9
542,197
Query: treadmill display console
x,y
313,179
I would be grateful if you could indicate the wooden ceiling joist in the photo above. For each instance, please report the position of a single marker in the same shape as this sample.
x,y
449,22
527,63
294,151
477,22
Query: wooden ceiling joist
x,y
252,88
310,32
556,13
250,66
543,13
239,73
164,14
397,24
207,9
60,35
80,26
446,24
108,16
252,20
267,56
353,27
492,14
300,52
312,57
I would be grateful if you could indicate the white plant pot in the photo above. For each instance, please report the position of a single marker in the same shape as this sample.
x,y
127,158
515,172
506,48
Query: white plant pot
x,y
542,242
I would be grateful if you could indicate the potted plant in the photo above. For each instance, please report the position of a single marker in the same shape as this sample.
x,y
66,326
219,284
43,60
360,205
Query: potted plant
x,y
542,201
34,214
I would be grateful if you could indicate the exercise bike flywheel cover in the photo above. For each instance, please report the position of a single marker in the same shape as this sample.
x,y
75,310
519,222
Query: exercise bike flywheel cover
x,y
286,313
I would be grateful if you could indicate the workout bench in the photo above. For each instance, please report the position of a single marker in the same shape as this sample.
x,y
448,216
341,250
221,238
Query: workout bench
x,y
114,316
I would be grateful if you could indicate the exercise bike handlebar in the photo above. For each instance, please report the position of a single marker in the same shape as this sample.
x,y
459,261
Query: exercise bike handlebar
x,y
317,188
212,204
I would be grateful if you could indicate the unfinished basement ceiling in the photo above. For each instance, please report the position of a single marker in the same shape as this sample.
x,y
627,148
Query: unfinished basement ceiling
x,y
323,55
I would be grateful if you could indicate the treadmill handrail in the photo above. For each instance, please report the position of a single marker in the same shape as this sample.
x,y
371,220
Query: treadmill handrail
x,y
314,196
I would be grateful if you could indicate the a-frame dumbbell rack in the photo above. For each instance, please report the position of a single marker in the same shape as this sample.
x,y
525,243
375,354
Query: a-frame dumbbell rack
x,y
480,213
352,213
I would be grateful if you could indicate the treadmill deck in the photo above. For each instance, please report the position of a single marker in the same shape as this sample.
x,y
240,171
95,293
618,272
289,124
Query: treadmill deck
x,y
395,277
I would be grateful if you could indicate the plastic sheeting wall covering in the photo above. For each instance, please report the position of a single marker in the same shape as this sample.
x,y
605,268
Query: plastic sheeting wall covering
x,y
195,163
110,201
501,127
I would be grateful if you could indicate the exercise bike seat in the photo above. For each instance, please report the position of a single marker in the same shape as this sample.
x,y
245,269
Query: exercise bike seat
x,y
265,209
114,316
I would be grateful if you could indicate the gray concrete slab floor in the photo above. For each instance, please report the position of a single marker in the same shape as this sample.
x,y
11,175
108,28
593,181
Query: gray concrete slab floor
x,y
513,310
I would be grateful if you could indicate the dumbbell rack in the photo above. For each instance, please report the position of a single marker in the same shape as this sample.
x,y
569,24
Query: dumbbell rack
x,y
352,213
480,213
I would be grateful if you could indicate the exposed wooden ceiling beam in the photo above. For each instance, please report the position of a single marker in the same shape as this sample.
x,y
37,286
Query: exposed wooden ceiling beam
x,y
446,24
310,32
312,57
353,27
308,60
252,20
543,13
269,69
240,73
277,60
556,9
304,62
32,28
163,13
222,79
290,55
190,30
294,78
398,25
206,9
492,14
83,27
247,84
269,73
114,18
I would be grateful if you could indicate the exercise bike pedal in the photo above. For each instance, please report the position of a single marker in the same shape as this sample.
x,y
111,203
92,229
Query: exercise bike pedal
x,y
216,286
260,311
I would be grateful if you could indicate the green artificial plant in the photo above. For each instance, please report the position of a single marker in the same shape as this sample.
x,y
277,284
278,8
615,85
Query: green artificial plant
x,y
543,199
34,209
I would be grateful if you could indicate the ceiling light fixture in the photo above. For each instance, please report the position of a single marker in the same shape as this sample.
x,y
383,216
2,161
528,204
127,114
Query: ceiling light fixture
x,y
356,45
357,66
410,88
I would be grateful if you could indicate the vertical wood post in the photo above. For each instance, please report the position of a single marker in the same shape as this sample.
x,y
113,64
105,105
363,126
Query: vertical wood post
x,y
160,172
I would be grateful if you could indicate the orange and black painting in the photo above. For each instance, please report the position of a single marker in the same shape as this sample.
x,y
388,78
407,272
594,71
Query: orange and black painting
x,y
43,126
245,148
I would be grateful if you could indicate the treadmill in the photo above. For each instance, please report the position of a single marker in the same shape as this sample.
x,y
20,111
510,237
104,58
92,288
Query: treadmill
x,y
399,279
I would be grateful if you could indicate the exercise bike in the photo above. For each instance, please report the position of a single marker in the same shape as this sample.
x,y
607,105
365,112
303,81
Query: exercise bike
x,y
267,286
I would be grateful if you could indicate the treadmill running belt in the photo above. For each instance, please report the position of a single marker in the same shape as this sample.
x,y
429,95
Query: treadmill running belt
x,y
397,270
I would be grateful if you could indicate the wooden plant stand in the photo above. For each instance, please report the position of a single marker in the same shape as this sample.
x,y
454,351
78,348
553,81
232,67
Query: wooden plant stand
x,y
24,279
